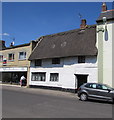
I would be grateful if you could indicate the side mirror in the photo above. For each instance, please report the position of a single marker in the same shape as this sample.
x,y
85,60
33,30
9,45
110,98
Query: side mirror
x,y
109,89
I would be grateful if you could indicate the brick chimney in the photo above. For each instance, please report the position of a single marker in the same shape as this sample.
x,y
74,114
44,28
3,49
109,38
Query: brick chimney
x,y
104,7
83,24
2,44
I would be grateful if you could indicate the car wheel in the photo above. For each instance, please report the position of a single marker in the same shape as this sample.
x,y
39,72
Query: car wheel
x,y
83,97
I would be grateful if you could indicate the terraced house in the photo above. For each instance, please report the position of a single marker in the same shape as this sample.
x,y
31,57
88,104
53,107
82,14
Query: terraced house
x,y
68,59
14,61
64,60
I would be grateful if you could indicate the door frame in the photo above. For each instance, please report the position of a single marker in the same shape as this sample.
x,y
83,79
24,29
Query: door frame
x,y
76,80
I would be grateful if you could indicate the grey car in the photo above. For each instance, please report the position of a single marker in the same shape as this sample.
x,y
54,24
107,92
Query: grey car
x,y
95,91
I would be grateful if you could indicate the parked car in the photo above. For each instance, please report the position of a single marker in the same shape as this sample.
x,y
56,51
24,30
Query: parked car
x,y
95,91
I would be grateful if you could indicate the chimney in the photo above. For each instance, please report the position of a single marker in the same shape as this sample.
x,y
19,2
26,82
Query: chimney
x,y
104,7
83,24
2,44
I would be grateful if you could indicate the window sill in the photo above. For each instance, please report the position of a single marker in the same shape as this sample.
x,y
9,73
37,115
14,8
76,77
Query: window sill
x,y
22,59
10,60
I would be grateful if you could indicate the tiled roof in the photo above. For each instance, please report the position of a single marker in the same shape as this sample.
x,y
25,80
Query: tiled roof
x,y
109,14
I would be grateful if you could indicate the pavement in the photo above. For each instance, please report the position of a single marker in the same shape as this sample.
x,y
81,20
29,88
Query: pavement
x,y
40,90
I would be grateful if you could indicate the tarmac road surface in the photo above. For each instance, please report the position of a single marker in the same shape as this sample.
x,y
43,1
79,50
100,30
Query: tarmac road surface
x,y
21,102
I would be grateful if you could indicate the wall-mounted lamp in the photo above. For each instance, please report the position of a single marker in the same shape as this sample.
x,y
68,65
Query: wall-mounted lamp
x,y
105,22
104,19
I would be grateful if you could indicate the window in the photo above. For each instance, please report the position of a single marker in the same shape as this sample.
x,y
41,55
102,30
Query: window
x,y
38,76
103,87
38,62
11,57
81,59
54,76
1,58
22,55
91,85
56,61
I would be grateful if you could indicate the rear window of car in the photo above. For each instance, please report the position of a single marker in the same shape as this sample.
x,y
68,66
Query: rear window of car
x,y
87,85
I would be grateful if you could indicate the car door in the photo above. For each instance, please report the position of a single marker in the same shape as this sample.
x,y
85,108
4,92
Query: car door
x,y
103,92
92,90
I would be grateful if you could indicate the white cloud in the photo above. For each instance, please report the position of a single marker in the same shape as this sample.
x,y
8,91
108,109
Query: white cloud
x,y
5,34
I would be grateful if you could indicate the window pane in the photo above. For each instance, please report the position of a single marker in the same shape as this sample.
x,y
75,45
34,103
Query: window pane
x,y
38,62
81,59
104,87
54,76
22,55
56,61
94,86
11,56
38,76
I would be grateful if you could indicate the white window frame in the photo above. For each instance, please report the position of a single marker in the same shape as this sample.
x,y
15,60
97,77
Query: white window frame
x,y
38,76
25,55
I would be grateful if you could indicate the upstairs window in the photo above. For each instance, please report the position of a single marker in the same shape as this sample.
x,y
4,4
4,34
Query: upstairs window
x,y
1,58
38,62
22,55
81,59
54,77
56,61
11,57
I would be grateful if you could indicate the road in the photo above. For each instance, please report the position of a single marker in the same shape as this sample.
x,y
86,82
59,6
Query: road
x,y
18,102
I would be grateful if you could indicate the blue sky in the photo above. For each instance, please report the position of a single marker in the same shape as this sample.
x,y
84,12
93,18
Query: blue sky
x,y
28,21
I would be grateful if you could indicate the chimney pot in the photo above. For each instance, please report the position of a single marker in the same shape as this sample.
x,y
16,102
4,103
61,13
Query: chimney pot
x,y
104,7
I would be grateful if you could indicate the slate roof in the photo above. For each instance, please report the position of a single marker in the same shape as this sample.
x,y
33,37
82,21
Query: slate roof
x,y
78,42
109,14
16,46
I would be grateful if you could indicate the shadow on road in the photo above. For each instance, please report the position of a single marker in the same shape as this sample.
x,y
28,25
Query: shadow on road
x,y
99,101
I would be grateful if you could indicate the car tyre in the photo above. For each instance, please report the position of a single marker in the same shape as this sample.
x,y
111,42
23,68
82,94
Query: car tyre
x,y
83,97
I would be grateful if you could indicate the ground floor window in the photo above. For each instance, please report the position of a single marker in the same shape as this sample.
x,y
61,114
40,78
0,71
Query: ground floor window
x,y
54,76
12,77
38,76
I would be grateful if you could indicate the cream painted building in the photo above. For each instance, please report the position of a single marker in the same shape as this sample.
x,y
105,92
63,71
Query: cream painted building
x,y
105,25
14,62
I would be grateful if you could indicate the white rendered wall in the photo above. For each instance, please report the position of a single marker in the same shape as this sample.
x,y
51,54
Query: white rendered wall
x,y
67,70
107,58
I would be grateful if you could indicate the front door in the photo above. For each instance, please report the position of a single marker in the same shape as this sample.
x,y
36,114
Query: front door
x,y
80,79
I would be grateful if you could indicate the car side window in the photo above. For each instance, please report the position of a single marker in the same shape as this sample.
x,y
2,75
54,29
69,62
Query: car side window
x,y
94,86
102,87
91,85
87,85
99,86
